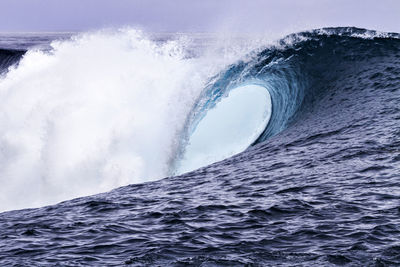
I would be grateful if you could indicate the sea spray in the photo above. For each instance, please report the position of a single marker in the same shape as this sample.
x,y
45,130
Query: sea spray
x,y
96,112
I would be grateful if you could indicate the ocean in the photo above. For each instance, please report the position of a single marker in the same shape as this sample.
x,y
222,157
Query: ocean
x,y
123,148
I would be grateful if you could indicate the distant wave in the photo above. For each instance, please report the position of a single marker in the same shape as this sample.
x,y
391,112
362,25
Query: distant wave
x,y
9,57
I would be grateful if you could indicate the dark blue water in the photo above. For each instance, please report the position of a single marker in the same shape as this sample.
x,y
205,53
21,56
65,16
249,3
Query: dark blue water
x,y
321,186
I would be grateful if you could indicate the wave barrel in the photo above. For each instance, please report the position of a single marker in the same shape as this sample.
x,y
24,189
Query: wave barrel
x,y
230,127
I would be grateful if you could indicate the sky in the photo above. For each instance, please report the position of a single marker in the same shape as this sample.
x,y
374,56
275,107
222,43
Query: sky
x,y
239,16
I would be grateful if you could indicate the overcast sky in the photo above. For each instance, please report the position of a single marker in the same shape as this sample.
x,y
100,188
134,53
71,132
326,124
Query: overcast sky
x,y
251,16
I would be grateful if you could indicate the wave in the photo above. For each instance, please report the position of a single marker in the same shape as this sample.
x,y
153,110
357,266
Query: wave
x,y
103,110
317,185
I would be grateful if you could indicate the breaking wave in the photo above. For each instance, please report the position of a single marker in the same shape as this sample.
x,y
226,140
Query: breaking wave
x,y
107,109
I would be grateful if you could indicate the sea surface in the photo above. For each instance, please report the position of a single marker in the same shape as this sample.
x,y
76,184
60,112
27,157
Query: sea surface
x,y
319,186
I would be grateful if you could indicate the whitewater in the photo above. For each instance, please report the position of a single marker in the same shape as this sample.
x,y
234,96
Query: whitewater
x,y
97,111
121,147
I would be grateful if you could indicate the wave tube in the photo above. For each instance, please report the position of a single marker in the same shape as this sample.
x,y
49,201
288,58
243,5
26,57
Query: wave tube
x,y
228,128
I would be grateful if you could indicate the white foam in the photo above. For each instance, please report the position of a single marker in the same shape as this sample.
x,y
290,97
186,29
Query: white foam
x,y
102,110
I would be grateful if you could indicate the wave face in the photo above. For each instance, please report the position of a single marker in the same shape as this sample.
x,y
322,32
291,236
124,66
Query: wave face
x,y
317,186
